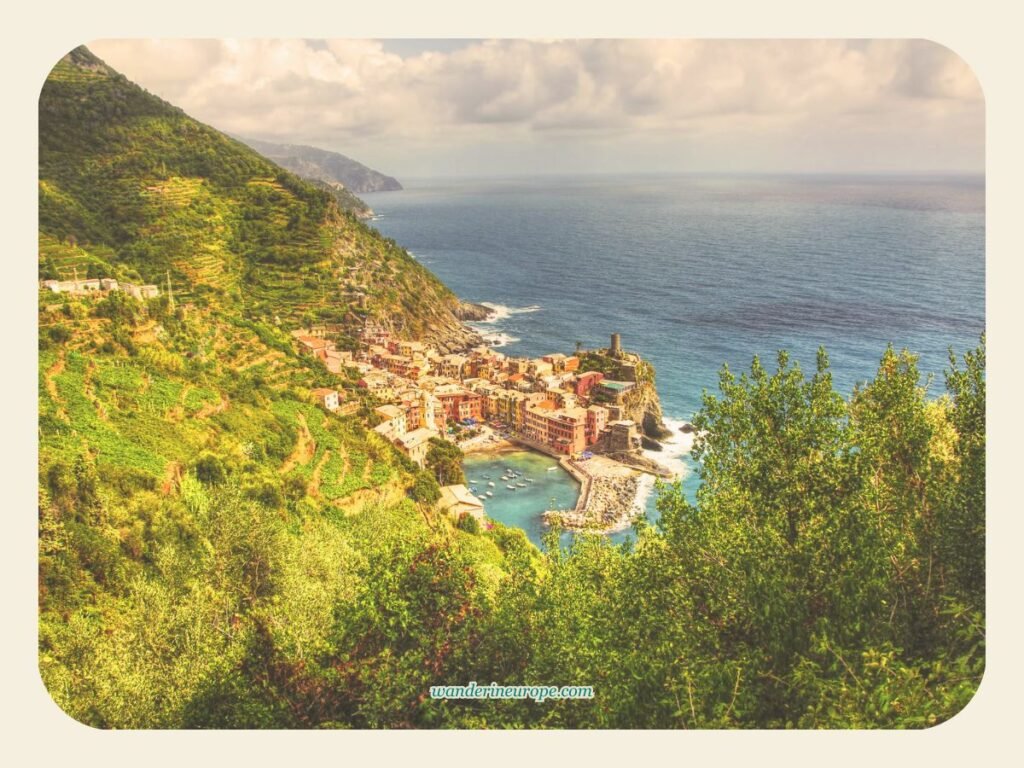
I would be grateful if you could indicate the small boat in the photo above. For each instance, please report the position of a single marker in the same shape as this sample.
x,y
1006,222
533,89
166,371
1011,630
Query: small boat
x,y
510,487
490,493
552,469
520,485
491,484
482,497
529,479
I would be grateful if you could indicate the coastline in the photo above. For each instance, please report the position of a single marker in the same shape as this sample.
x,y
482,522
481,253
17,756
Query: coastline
x,y
674,449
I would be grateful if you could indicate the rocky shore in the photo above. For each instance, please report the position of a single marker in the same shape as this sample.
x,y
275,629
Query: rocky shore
x,y
450,334
473,313
611,496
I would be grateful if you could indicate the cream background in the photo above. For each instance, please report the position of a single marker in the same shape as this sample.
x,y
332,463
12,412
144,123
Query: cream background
x,y
984,33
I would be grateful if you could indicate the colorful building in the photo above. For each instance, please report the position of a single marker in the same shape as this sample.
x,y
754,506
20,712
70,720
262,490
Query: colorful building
x,y
563,429
597,420
393,424
315,347
415,444
586,381
614,391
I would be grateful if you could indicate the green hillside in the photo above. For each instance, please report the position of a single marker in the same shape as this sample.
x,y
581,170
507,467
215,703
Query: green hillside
x,y
134,187
217,551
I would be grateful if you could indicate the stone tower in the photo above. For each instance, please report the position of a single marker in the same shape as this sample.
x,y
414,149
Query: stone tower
x,y
616,347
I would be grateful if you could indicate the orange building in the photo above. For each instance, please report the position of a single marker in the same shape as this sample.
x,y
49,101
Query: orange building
x,y
318,348
563,429
461,405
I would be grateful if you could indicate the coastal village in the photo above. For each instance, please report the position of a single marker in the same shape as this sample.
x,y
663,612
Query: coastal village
x,y
484,400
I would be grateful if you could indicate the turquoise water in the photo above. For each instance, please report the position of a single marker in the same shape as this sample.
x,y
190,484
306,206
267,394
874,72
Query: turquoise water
x,y
523,507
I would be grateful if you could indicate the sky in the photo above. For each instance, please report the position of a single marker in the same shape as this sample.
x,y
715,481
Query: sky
x,y
461,107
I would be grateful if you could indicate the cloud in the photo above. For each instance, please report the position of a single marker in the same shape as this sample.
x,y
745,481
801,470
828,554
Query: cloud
x,y
694,95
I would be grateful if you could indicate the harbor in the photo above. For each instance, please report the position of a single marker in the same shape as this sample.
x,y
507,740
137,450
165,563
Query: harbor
x,y
544,485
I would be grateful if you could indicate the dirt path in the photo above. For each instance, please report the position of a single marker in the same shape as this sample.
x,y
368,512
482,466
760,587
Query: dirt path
x,y
49,377
211,408
305,447
172,476
313,489
90,392
55,370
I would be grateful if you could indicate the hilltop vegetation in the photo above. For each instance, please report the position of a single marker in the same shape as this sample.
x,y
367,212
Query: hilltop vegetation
x,y
217,551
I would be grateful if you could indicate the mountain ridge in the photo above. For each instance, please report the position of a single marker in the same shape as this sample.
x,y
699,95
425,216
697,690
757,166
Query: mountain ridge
x,y
314,163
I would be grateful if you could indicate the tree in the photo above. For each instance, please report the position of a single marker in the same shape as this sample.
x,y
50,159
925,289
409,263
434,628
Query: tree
x,y
425,488
444,459
814,560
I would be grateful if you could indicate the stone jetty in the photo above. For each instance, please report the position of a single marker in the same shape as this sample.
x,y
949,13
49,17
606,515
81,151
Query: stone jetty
x,y
608,496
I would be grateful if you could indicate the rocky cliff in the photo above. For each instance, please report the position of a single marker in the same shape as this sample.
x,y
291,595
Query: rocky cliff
x,y
641,404
470,312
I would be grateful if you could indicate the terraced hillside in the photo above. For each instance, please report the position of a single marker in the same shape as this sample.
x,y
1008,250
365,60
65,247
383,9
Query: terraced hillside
x,y
140,393
130,186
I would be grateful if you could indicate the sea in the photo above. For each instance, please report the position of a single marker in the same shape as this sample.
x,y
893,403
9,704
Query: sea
x,y
698,272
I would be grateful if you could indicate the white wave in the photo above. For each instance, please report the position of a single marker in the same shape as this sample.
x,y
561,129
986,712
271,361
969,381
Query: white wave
x,y
503,312
674,449
644,489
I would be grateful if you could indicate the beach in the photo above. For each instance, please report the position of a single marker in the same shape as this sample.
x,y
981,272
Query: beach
x,y
489,441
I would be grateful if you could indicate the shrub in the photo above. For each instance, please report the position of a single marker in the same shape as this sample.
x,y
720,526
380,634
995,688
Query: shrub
x,y
60,334
468,523
210,469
